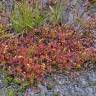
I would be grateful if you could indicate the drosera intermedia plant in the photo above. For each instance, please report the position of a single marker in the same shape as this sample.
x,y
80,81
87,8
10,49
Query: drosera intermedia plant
x,y
66,50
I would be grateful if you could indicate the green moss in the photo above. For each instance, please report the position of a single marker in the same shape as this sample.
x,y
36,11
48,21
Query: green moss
x,y
23,87
50,86
16,81
7,80
11,92
92,84
56,94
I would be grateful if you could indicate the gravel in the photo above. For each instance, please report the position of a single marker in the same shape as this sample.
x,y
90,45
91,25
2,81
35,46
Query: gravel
x,y
77,83
62,85
82,85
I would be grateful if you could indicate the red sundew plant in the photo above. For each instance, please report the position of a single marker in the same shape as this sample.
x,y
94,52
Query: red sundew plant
x,y
45,50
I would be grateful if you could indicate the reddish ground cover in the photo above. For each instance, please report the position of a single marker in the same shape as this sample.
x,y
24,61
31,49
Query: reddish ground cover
x,y
45,50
